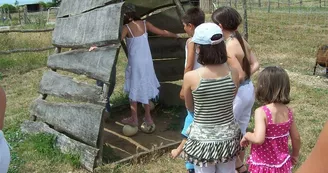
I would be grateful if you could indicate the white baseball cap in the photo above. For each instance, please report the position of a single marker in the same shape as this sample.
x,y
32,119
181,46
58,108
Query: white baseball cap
x,y
204,32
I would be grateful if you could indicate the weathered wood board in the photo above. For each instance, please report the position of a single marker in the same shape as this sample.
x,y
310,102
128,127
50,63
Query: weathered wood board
x,y
169,70
96,64
101,26
168,20
87,153
162,47
56,84
82,121
73,7
144,7
169,94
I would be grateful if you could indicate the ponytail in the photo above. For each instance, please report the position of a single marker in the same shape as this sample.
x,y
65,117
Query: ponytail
x,y
245,63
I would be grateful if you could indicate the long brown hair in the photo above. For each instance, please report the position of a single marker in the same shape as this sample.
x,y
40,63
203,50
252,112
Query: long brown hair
x,y
230,19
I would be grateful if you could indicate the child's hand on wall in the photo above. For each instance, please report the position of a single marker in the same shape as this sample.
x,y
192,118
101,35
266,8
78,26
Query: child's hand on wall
x,y
92,48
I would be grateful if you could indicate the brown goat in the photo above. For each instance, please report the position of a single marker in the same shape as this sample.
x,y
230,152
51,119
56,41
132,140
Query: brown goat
x,y
322,58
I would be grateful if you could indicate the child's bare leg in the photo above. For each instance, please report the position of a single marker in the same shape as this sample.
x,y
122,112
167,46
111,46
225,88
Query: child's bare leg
x,y
240,167
133,119
242,156
148,118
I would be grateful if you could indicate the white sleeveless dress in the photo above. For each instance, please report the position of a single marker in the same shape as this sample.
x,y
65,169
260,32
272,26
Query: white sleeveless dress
x,y
141,83
4,154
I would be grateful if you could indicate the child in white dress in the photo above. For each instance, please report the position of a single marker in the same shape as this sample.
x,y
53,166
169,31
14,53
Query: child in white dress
x,y
4,149
141,83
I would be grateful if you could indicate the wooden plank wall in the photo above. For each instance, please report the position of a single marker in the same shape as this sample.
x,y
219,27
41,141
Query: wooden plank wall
x,y
79,126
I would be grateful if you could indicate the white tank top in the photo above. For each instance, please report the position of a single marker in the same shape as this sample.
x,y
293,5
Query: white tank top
x,y
196,64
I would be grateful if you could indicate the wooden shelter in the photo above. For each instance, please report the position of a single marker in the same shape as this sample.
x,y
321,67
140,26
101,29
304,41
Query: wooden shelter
x,y
78,118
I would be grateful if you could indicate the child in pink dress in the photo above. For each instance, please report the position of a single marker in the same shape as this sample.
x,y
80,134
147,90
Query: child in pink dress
x,y
274,122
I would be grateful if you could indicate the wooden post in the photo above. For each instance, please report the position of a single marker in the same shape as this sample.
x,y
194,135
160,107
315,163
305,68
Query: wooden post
x,y
278,4
289,6
320,3
19,15
1,15
268,6
207,6
301,4
180,8
245,20
25,14
236,4
250,5
260,3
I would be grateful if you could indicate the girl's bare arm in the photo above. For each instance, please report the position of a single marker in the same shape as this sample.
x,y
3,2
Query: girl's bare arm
x,y
296,142
317,160
187,80
255,65
258,136
161,32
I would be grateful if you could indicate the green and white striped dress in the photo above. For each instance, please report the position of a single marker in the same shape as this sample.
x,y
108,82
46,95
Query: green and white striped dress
x,y
214,135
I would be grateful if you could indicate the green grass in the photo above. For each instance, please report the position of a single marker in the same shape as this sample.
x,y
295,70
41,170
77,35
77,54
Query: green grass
x,y
288,40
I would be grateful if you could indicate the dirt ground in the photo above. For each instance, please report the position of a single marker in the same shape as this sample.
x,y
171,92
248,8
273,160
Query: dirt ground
x,y
117,146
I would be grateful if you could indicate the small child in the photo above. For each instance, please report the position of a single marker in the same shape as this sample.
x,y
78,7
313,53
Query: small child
x,y
141,83
213,137
192,18
274,122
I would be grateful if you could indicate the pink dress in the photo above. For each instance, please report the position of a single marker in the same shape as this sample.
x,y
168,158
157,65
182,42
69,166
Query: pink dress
x,y
273,155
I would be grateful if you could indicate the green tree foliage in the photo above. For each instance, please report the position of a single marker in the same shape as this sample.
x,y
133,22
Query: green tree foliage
x,y
12,9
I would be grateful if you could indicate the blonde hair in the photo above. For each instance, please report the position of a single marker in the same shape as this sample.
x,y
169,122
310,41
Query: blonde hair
x,y
273,86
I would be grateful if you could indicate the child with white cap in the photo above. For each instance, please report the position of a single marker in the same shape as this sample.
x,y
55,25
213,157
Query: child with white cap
x,y
209,91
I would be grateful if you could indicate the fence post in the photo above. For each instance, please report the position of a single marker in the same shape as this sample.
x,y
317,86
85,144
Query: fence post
x,y
25,14
278,4
289,6
260,3
19,15
301,4
268,6
1,15
250,5
245,20
320,3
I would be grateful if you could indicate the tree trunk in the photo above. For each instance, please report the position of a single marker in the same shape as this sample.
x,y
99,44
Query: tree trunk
x,y
206,6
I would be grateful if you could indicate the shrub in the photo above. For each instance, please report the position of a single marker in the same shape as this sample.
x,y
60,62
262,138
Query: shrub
x,y
12,9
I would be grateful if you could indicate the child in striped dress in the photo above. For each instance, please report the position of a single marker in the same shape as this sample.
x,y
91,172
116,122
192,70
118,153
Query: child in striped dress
x,y
214,136
193,17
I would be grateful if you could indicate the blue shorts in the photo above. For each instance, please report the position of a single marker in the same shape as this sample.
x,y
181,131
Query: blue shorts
x,y
188,120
